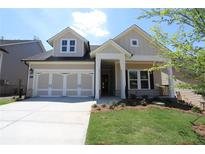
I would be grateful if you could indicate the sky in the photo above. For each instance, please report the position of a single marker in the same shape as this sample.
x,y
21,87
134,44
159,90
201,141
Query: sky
x,y
96,25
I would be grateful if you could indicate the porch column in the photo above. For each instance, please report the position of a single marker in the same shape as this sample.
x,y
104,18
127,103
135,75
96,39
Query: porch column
x,y
97,77
171,82
123,80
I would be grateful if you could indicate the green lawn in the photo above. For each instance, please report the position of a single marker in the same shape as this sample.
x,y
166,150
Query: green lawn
x,y
148,126
6,101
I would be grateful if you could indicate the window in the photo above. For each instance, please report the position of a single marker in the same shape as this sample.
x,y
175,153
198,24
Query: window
x,y
64,45
144,80
133,80
72,45
134,43
68,45
139,79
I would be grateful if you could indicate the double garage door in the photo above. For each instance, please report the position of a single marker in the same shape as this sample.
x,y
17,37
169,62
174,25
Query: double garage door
x,y
64,83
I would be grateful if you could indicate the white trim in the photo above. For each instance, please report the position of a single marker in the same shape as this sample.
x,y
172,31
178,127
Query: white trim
x,y
68,45
64,84
116,79
131,40
79,84
138,79
28,77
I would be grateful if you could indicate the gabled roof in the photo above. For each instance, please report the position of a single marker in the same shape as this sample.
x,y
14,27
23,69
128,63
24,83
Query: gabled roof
x,y
143,33
68,29
110,42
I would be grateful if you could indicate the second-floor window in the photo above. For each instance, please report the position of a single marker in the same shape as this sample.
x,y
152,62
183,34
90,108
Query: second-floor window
x,y
68,45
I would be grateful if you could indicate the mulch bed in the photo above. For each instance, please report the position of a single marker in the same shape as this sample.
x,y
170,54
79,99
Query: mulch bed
x,y
200,129
138,107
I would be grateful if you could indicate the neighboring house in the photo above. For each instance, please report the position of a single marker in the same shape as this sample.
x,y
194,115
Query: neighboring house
x,y
118,67
12,70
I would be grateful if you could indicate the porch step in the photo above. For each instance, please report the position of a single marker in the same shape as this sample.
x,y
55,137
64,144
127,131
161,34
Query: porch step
x,y
190,97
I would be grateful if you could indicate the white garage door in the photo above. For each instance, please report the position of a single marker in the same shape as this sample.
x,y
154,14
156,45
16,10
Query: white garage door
x,y
61,83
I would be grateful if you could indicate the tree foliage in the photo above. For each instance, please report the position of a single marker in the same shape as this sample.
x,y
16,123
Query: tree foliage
x,y
187,43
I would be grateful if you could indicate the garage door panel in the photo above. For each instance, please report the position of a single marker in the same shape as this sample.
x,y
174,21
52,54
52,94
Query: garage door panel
x,y
72,93
57,93
43,81
86,81
42,93
86,93
57,81
72,81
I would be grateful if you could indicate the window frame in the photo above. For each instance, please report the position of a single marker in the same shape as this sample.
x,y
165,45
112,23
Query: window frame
x,y
138,79
131,40
68,46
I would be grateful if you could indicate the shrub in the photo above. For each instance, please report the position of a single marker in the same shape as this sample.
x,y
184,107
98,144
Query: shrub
x,y
145,97
112,107
104,105
115,103
133,96
122,104
196,109
143,102
94,106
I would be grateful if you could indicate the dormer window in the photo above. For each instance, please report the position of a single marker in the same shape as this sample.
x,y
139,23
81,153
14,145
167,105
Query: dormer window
x,y
68,45
134,43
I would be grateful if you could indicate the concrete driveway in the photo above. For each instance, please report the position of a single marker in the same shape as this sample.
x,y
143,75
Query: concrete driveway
x,y
45,121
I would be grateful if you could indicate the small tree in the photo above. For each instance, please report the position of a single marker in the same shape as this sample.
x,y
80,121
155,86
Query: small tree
x,y
187,43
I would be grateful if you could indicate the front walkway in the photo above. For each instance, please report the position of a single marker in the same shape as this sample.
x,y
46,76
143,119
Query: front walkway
x,y
45,121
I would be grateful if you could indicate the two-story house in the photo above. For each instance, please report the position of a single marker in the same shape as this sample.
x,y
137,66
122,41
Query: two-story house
x,y
118,67
13,72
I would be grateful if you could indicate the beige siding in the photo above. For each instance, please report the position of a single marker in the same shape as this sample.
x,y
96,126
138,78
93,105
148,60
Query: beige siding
x,y
63,66
110,49
145,46
79,46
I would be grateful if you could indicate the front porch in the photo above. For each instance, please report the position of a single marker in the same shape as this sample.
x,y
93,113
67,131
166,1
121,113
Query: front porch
x,y
118,74
138,81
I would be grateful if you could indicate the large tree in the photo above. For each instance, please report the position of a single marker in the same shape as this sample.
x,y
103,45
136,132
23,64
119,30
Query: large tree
x,y
187,42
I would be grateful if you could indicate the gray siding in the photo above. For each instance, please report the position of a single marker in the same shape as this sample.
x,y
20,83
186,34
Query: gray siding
x,y
13,69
